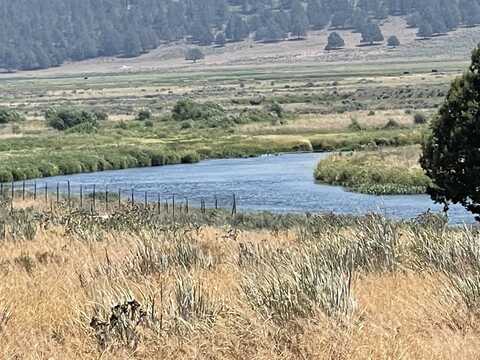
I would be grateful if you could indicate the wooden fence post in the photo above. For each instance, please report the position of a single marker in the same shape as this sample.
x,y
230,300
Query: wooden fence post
x,y
46,193
81,196
94,199
106,197
234,206
35,191
23,190
69,194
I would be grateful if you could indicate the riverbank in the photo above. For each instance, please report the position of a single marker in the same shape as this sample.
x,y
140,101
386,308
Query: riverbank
x,y
112,149
383,172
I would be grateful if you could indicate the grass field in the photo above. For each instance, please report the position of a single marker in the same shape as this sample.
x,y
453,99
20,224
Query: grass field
x,y
319,107
383,172
137,285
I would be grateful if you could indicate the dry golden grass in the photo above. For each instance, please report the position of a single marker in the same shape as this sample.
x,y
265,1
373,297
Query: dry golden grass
x,y
52,283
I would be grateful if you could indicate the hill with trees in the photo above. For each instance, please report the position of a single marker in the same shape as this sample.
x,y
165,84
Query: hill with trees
x,y
38,34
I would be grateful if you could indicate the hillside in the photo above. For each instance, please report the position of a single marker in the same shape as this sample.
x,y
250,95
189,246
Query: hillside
x,y
41,34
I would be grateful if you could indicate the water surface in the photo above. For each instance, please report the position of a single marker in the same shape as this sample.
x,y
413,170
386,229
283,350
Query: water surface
x,y
282,183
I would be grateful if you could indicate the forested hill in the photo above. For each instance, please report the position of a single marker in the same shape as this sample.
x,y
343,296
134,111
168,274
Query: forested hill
x,y
43,33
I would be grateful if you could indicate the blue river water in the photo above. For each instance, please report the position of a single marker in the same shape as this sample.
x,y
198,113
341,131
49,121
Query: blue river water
x,y
281,183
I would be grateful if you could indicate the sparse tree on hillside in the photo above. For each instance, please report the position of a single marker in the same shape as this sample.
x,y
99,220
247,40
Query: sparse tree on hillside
x,y
371,33
335,41
220,39
299,20
194,54
451,155
425,30
393,41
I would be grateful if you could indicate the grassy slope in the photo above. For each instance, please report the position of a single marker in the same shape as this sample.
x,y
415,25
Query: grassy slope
x,y
388,171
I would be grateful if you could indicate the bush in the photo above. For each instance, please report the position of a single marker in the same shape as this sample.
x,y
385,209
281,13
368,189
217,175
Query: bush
x,y
9,116
66,118
419,118
392,124
277,109
355,125
393,41
144,114
191,110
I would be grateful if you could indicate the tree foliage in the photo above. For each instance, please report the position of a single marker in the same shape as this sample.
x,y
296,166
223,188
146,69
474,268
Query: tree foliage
x,y
451,154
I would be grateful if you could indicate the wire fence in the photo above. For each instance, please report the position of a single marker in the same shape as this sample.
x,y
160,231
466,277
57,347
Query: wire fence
x,y
103,198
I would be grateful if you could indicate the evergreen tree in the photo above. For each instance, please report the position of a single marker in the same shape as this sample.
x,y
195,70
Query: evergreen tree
x,y
393,41
299,20
335,41
220,39
425,30
450,154
371,33
194,54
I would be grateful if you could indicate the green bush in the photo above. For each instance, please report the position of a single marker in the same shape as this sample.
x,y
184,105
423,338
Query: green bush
x,y
144,114
9,115
66,118
419,118
190,110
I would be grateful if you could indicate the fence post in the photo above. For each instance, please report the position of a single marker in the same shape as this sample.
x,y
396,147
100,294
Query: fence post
x,y
69,194
81,196
94,199
166,206
23,190
216,202
1,190
146,199
58,192
186,205
106,197
35,191
173,207
158,204
234,206
133,197
13,190
46,193
119,198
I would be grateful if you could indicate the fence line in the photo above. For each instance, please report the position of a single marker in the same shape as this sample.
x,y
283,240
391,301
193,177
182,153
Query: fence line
x,y
92,195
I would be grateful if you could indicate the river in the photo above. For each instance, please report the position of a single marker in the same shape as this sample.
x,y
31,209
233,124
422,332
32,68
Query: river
x,y
282,183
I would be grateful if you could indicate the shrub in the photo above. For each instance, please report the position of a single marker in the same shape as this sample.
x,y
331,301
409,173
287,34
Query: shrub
x,y
392,124
277,109
419,118
65,118
393,41
355,125
191,110
8,116
144,114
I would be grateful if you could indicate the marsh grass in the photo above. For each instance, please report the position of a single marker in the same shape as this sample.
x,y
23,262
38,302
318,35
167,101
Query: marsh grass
x,y
383,172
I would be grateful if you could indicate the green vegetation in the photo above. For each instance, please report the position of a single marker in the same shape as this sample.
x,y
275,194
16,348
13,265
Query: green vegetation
x,y
10,116
451,151
77,120
384,172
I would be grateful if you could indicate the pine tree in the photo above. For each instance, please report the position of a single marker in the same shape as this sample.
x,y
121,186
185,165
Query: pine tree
x,y
450,154
371,33
335,41
299,20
